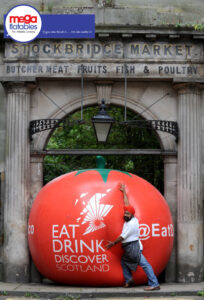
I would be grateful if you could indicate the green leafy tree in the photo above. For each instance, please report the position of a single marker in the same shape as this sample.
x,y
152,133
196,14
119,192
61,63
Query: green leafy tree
x,y
70,135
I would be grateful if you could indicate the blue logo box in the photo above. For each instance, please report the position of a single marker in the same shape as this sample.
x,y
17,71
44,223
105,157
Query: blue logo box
x,y
65,26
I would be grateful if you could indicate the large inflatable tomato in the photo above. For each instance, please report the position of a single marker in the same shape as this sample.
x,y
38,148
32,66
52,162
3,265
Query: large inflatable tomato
x,y
75,215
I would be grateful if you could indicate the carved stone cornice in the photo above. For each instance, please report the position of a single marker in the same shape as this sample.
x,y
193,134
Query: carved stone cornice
x,y
18,86
188,87
104,91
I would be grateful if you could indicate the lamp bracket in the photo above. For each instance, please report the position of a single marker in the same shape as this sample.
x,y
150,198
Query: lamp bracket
x,y
170,127
41,125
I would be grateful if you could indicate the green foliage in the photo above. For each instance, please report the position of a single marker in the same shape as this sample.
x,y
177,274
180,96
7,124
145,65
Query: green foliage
x,y
68,297
173,294
105,3
198,27
200,293
3,293
108,3
75,136
30,295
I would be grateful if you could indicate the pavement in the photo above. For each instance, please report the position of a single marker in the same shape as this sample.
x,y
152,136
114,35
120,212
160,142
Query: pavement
x,y
50,290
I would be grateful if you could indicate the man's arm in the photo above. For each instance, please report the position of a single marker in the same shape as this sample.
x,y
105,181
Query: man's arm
x,y
125,197
126,203
111,244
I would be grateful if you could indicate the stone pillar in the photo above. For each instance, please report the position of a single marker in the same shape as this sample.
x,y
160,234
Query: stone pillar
x,y
189,191
170,194
36,178
202,132
2,189
17,177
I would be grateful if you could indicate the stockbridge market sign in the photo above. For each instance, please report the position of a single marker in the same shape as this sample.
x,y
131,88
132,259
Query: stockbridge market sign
x,y
45,58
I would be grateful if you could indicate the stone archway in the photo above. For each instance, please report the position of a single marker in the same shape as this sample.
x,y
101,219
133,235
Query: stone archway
x,y
167,143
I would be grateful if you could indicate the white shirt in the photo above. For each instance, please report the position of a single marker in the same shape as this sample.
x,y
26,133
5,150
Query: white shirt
x,y
130,231
141,246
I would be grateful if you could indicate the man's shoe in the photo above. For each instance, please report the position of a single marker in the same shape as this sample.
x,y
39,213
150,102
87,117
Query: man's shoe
x,y
129,283
152,288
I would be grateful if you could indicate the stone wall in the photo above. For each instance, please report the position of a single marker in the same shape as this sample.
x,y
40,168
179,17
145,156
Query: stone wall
x,y
118,12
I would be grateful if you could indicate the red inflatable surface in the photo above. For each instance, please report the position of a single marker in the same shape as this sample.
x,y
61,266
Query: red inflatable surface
x,y
74,216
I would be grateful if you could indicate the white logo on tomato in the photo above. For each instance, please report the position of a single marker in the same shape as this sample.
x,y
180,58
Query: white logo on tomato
x,y
94,211
144,231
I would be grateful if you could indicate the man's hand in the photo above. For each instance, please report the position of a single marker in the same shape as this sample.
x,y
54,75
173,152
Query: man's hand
x,y
125,197
122,187
109,245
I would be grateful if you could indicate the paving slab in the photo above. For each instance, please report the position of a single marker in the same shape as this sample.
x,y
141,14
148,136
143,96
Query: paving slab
x,y
51,290
116,298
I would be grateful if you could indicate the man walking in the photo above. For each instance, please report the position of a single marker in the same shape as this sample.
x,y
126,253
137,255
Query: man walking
x,y
132,246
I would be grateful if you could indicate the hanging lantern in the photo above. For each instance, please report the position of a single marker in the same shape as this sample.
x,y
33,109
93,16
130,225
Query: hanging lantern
x,y
102,123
